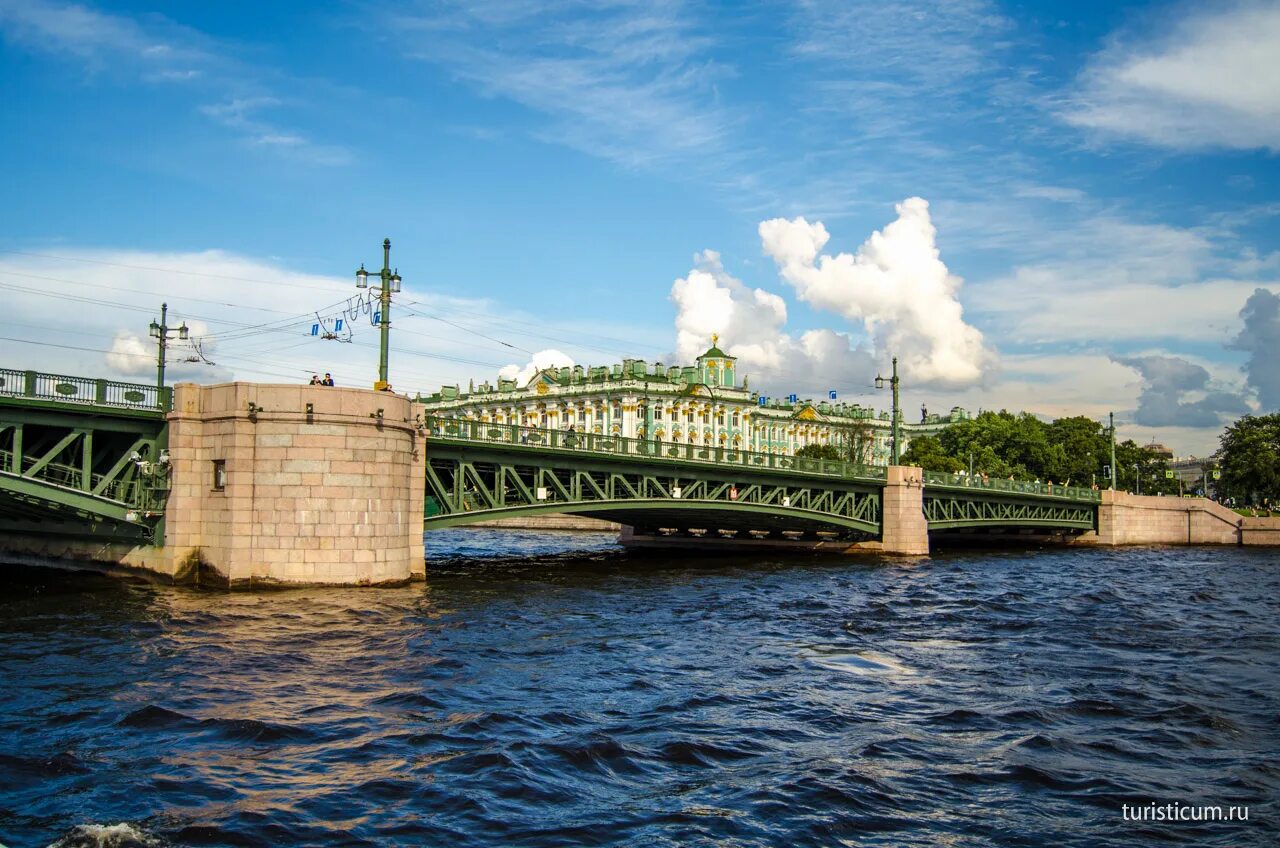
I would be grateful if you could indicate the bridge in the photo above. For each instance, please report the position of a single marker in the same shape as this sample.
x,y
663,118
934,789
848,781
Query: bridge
x,y
81,457
478,471
296,475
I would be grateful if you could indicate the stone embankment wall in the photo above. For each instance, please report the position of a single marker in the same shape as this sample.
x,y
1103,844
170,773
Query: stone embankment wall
x,y
1261,531
1128,519
327,494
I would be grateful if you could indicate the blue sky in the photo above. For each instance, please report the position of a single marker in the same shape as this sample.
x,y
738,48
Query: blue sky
x,y
1100,227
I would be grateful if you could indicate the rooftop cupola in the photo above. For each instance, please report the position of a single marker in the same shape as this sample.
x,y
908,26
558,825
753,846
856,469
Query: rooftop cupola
x,y
715,367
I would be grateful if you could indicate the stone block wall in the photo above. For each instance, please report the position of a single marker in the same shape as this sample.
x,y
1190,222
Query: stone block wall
x,y
904,529
330,496
1261,531
1128,519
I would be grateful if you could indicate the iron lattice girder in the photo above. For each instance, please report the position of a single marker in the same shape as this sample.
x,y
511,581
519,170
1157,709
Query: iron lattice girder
x,y
946,509
468,483
74,466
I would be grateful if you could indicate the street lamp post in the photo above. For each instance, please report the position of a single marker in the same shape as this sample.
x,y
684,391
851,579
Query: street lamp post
x,y
389,281
893,383
1137,480
1111,430
160,332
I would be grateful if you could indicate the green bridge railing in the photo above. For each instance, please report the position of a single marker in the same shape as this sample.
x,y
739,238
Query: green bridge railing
x,y
84,391
973,481
598,443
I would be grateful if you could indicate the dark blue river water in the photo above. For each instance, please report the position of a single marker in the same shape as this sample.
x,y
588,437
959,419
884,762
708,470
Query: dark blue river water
x,y
528,696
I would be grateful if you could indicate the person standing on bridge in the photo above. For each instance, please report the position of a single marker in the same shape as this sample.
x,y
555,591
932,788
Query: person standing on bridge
x,y
328,379
733,493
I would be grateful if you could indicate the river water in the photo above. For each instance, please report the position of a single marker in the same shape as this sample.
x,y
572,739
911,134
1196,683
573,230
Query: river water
x,y
550,689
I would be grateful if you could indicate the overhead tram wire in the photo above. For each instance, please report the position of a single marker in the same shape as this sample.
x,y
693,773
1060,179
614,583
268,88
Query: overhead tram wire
x,y
150,357
625,344
475,332
242,328
183,272
273,281
171,297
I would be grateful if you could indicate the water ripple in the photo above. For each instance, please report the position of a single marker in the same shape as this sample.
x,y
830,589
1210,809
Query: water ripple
x,y
531,696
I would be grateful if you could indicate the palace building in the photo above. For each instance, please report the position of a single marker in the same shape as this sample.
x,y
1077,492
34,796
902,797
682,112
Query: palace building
x,y
699,404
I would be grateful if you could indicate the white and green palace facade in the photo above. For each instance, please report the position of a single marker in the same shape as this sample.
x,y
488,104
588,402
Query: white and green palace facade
x,y
701,404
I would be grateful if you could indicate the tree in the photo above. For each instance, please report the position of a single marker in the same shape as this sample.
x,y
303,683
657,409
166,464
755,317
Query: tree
x,y
857,442
1250,459
820,452
1077,445
1139,468
927,452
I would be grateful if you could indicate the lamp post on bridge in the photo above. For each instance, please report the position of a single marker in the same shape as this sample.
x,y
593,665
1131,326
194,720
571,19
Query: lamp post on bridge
x,y
389,281
1111,431
160,332
893,383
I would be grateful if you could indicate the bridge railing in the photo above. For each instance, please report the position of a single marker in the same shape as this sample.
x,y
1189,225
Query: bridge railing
x,y
84,391
511,434
974,481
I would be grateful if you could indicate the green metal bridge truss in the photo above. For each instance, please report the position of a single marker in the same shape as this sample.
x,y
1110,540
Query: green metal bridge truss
x,y
953,502
82,457
481,472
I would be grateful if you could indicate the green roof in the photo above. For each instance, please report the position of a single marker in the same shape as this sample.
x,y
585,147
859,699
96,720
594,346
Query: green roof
x,y
715,352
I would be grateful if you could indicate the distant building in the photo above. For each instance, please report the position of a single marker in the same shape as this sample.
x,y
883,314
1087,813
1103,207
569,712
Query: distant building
x,y
1192,468
701,404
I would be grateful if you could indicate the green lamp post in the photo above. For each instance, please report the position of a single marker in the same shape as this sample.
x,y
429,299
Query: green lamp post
x,y
893,383
388,282
160,332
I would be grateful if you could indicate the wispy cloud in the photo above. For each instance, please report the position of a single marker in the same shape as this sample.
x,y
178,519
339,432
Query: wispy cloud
x,y
96,37
629,82
1211,80
242,114
155,50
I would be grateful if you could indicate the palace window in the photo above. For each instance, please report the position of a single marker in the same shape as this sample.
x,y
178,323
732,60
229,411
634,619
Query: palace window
x,y
720,418
657,413
689,416
735,419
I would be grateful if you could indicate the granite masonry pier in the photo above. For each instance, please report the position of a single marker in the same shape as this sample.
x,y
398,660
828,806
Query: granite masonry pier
x,y
295,485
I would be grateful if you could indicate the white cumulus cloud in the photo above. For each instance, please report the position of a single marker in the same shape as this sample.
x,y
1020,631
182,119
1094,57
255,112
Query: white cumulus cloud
x,y
751,324
896,285
522,374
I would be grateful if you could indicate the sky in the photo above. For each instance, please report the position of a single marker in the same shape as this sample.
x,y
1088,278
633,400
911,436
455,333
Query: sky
x,y
1067,208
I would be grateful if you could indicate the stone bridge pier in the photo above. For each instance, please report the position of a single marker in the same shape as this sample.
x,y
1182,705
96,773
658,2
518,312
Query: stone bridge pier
x,y
277,484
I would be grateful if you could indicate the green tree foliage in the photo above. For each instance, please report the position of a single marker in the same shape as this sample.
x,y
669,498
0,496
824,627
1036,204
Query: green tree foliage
x,y
1140,470
1250,458
820,452
1072,450
927,452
